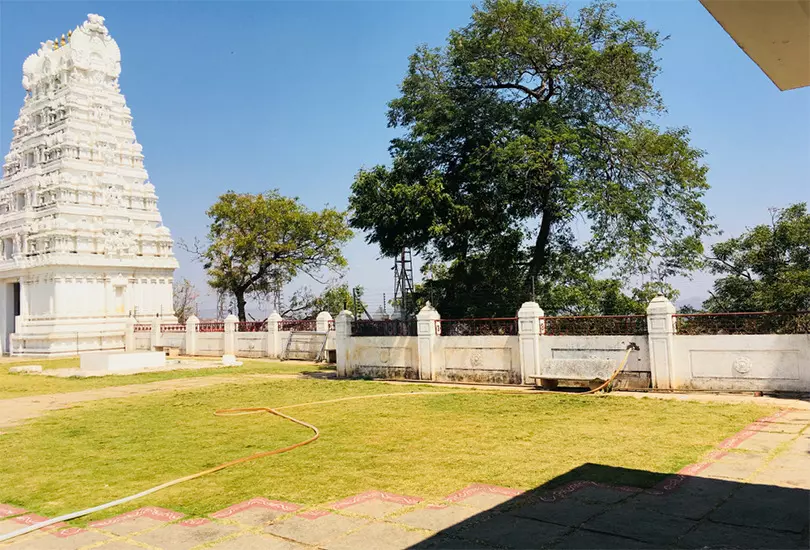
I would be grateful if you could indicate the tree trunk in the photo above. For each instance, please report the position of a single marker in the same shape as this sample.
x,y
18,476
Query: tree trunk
x,y
240,305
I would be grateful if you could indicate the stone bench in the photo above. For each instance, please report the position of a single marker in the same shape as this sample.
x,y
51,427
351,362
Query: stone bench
x,y
580,370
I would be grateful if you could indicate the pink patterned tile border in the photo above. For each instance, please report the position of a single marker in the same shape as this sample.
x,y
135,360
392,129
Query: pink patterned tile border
x,y
69,532
57,529
376,495
258,502
569,488
314,514
7,510
194,522
31,519
151,512
478,488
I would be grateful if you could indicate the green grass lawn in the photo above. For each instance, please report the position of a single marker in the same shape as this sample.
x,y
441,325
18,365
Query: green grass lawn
x,y
424,446
19,385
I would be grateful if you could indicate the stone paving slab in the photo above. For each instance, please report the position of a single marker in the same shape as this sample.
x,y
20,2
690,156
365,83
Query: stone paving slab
x,y
588,540
182,537
315,529
507,531
717,535
379,536
736,466
641,524
436,518
256,511
51,541
568,512
693,499
118,545
377,504
599,494
764,442
251,541
766,506
442,542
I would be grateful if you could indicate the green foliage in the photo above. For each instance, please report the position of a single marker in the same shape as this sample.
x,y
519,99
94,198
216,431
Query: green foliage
x,y
336,298
258,243
528,129
767,268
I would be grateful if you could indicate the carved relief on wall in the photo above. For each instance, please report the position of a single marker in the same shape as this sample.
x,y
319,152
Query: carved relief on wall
x,y
742,364
118,242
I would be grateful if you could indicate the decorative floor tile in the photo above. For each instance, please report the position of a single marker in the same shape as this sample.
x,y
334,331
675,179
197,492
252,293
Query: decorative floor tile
x,y
315,529
137,520
256,511
376,504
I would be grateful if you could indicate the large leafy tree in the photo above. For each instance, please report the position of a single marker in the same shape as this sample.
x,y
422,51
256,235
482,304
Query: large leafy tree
x,y
258,242
529,156
767,268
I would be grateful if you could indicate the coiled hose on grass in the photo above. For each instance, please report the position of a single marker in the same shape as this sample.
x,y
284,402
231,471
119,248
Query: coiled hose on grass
x,y
276,411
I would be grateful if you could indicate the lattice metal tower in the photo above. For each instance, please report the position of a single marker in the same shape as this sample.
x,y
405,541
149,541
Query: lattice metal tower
x,y
403,281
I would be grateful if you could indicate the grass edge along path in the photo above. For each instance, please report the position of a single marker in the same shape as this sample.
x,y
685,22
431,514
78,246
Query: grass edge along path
x,y
425,446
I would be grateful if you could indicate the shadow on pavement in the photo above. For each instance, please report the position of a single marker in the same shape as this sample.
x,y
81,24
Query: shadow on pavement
x,y
596,506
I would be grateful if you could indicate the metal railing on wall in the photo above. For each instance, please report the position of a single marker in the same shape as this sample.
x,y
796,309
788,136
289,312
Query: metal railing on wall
x,y
252,326
390,327
218,326
761,322
594,325
497,326
298,325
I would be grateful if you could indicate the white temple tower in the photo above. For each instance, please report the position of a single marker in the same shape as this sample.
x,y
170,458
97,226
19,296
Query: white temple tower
x,y
82,244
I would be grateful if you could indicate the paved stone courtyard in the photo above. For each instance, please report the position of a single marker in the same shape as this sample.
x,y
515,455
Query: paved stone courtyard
x,y
753,491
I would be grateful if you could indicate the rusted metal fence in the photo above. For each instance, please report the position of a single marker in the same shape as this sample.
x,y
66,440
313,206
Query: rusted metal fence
x,y
252,326
390,327
761,322
217,326
497,326
594,325
298,325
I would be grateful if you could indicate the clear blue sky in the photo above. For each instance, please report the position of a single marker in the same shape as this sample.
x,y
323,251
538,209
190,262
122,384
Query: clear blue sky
x,y
257,95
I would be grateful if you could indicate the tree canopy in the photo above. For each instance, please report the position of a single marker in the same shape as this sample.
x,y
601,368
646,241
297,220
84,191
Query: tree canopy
x,y
529,157
767,268
258,242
